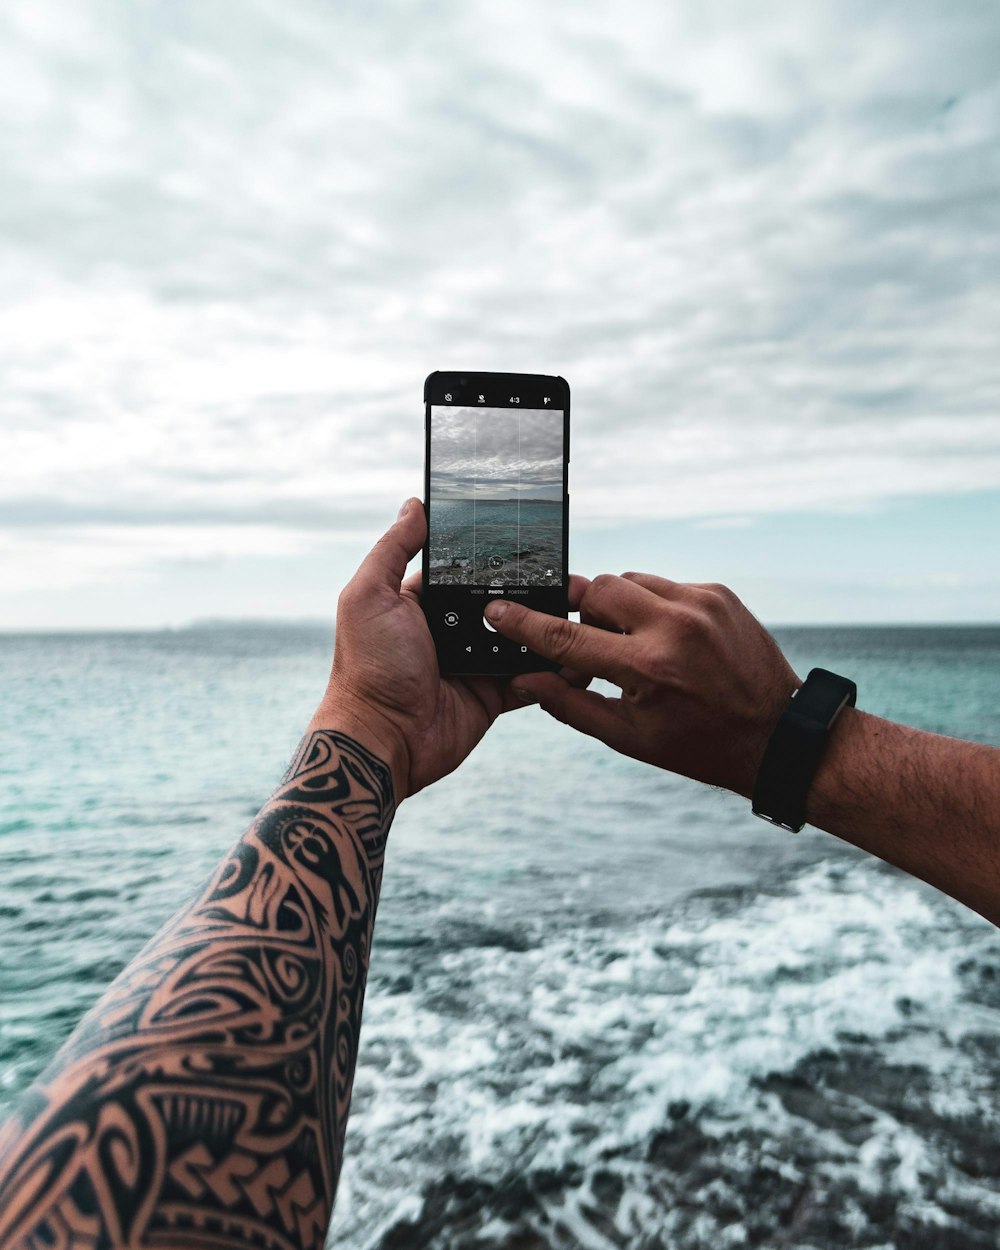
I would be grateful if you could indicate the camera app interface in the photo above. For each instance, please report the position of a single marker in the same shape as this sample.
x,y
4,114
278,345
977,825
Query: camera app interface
x,y
496,496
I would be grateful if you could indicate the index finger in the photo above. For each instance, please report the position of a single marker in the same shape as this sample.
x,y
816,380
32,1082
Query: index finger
x,y
582,647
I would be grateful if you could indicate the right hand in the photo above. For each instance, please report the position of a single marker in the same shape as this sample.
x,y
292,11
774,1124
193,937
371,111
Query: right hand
x,y
703,683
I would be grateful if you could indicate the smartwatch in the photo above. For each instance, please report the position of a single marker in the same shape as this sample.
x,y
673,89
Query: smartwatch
x,y
796,746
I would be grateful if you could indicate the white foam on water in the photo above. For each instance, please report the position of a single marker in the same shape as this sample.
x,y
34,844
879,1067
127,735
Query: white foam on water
x,y
741,1017
898,1151
504,1062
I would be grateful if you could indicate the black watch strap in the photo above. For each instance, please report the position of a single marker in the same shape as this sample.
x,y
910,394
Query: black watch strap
x,y
795,748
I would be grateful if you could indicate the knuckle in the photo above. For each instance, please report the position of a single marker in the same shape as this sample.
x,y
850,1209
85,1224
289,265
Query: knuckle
x,y
386,543
715,599
655,665
602,582
688,624
696,622
596,591
555,634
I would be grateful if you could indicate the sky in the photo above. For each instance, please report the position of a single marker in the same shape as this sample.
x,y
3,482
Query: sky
x,y
496,453
761,243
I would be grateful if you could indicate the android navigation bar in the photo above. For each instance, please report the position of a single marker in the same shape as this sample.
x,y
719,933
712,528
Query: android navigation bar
x,y
494,648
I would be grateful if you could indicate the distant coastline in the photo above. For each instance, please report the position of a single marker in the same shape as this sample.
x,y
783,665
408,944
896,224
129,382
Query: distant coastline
x,y
245,625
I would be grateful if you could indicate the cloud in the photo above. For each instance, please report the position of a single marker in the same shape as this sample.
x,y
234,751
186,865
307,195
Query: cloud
x,y
485,451
761,243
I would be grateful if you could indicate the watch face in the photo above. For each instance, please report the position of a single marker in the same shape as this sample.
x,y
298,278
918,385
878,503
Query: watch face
x,y
796,746
823,696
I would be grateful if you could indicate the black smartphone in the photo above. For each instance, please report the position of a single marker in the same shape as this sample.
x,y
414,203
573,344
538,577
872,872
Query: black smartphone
x,y
496,490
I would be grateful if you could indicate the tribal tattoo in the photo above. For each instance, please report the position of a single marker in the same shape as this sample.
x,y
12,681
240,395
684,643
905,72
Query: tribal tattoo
x,y
202,1103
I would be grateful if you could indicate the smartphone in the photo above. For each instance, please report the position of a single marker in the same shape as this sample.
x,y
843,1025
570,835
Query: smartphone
x,y
496,490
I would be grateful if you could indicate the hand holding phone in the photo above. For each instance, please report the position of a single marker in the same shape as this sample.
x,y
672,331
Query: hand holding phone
x,y
497,499
385,689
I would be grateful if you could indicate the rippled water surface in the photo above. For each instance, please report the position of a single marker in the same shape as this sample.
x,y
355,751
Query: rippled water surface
x,y
496,542
607,1008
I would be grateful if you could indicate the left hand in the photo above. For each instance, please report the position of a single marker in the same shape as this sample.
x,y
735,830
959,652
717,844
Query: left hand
x,y
385,687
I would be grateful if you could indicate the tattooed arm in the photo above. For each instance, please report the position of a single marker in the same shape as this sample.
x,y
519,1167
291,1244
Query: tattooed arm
x,y
203,1101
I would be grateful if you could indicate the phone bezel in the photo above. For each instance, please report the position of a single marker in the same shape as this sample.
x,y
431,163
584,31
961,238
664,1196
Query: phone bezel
x,y
465,387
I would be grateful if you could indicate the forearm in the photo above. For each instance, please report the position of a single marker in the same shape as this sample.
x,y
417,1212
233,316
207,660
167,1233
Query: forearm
x,y
926,803
205,1097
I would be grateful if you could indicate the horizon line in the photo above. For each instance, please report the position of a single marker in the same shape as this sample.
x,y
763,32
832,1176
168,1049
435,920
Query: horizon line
x,y
317,622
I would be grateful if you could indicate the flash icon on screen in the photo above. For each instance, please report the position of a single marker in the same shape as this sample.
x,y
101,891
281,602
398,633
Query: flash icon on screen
x,y
546,400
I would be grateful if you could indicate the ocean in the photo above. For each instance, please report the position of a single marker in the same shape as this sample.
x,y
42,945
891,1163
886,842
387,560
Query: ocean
x,y
607,1007
496,542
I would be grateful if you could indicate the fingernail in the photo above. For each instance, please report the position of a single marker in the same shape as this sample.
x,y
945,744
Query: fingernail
x,y
526,696
403,510
495,610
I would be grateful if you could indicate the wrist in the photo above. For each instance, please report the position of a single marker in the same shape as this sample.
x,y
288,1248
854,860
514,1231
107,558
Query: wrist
x,y
842,772
342,715
797,746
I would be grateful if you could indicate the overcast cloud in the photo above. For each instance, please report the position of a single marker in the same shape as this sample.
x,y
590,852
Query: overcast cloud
x,y
761,242
496,454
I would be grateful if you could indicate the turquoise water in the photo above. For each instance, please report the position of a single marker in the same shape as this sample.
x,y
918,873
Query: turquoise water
x,y
607,1007
497,541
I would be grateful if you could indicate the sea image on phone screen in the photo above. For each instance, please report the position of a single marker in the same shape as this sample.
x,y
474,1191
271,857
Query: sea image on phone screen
x,y
496,497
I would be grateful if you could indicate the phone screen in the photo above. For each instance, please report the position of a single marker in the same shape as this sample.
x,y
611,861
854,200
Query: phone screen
x,y
497,510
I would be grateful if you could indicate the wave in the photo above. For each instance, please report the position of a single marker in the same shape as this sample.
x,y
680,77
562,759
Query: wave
x,y
768,1069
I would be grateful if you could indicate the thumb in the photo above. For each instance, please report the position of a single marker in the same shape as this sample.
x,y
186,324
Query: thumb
x,y
386,563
